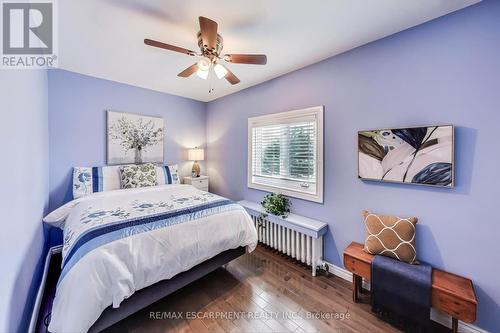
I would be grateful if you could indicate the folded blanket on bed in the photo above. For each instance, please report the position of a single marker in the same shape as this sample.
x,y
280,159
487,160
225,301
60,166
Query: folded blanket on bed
x,y
402,289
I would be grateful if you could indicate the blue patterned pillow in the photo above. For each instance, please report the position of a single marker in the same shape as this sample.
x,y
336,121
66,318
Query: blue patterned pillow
x,y
82,182
88,180
170,174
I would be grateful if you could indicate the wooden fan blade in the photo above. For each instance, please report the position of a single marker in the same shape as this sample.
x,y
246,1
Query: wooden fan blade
x,y
253,59
208,30
189,71
169,47
231,77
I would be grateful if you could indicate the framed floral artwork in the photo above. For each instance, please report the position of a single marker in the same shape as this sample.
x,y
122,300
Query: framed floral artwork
x,y
416,155
134,138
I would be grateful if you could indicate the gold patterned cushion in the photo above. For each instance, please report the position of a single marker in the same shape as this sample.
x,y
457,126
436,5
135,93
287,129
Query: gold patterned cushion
x,y
391,236
142,175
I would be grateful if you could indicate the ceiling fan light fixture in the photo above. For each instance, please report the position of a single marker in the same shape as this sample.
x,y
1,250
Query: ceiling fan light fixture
x,y
211,45
220,71
202,74
204,64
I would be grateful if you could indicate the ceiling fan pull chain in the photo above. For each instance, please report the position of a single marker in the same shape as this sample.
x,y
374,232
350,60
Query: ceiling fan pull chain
x,y
211,88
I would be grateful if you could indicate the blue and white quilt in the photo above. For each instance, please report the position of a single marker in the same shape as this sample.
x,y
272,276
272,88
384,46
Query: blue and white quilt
x,y
121,241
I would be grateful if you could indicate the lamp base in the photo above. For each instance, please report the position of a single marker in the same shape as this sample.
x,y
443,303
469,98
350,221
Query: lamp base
x,y
196,169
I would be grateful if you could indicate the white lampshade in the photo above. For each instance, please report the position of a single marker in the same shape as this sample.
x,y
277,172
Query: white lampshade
x,y
196,154
220,71
204,64
202,74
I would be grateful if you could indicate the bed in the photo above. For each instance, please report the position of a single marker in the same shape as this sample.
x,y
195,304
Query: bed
x,y
149,241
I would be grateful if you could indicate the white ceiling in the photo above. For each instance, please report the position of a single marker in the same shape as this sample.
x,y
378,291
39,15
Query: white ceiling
x,y
104,38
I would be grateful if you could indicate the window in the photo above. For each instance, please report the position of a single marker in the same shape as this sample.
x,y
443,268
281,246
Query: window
x,y
285,153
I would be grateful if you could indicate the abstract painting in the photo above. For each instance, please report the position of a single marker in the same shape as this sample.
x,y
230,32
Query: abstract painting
x,y
417,155
134,138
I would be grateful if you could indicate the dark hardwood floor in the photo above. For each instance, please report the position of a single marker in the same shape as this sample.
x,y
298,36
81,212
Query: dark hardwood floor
x,y
259,292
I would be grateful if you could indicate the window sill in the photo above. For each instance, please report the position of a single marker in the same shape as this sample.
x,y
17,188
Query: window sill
x,y
289,193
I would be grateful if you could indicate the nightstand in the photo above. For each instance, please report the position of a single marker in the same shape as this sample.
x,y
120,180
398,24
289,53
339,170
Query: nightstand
x,y
200,183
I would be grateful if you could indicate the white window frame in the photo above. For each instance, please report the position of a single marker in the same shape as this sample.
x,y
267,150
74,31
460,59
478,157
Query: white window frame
x,y
275,118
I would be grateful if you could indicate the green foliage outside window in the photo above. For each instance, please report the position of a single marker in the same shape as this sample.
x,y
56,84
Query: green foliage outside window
x,y
271,159
301,154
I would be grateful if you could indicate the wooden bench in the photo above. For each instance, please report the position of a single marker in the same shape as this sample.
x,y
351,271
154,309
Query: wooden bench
x,y
451,294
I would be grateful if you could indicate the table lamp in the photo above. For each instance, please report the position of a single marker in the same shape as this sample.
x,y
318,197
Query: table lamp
x,y
196,154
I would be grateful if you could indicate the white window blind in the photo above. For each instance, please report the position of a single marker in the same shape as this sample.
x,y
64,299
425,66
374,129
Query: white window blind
x,y
284,153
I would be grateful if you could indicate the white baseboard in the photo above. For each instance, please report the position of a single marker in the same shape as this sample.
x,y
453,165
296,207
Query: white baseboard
x,y
343,274
445,320
437,316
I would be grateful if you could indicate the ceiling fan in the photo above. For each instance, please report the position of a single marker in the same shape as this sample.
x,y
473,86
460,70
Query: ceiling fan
x,y
211,43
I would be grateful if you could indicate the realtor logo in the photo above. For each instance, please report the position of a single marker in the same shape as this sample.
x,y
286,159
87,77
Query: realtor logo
x,y
28,34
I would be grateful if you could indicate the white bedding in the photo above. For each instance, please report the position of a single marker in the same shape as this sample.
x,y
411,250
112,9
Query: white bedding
x,y
96,277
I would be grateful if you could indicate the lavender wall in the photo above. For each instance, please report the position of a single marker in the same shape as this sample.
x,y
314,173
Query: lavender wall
x,y
23,193
77,124
445,71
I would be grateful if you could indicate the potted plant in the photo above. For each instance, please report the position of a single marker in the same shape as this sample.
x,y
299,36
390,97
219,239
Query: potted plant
x,y
276,204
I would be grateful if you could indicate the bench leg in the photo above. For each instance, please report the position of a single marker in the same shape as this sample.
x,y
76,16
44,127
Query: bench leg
x,y
361,290
454,325
356,284
360,285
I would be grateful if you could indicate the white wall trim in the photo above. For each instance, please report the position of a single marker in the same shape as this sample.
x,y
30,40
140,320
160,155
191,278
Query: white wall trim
x,y
437,316
445,320
318,113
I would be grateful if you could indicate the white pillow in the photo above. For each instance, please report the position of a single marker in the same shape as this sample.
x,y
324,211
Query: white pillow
x,y
57,217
